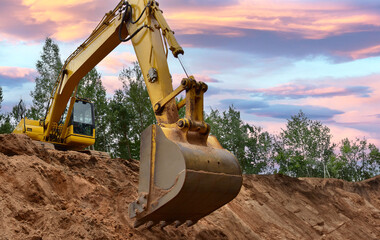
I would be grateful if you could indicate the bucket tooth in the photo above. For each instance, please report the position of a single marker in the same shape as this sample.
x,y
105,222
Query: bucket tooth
x,y
190,223
177,223
150,224
163,224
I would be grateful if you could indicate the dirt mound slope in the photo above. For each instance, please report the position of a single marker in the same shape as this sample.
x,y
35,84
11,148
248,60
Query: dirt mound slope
x,y
49,194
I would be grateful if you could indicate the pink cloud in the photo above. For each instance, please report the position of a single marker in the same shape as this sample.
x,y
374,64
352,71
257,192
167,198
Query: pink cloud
x,y
16,22
362,53
269,126
111,83
72,20
115,62
202,77
339,133
349,102
18,72
301,90
205,78
360,114
308,19
37,19
357,104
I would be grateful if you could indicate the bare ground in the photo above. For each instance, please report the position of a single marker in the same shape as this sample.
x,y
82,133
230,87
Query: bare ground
x,y
49,194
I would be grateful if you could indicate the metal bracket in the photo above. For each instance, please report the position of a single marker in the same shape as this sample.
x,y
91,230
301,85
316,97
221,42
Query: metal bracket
x,y
152,75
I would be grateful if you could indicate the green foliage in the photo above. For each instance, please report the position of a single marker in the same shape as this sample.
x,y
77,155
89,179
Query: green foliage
x,y
138,98
18,111
259,148
5,124
304,148
1,96
48,68
182,111
230,131
5,119
119,117
249,144
130,112
357,160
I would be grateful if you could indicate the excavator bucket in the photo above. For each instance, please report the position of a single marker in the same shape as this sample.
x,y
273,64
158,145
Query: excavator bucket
x,y
182,182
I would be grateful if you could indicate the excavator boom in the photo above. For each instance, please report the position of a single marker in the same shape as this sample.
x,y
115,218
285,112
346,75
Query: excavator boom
x,y
185,174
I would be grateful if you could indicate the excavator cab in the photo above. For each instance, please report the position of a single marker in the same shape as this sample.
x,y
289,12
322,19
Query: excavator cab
x,y
81,127
83,119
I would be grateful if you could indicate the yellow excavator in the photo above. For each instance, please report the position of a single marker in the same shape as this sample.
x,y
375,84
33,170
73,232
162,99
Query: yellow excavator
x,y
185,174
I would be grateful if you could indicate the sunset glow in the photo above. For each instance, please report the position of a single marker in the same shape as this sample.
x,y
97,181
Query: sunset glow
x,y
268,58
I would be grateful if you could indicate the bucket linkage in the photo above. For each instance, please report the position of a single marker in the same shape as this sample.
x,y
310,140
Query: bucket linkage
x,y
185,174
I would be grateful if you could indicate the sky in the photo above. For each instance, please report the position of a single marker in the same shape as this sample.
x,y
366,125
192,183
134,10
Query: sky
x,y
269,58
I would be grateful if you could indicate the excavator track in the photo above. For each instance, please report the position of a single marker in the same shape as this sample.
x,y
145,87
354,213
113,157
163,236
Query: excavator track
x,y
96,153
47,145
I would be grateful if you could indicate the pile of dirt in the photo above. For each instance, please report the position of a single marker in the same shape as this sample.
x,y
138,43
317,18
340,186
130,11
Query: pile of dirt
x,y
49,194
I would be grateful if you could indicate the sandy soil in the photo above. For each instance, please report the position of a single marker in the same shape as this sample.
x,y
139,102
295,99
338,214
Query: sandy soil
x,y
49,194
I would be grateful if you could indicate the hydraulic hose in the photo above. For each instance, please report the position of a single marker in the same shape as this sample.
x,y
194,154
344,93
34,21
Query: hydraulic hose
x,y
127,15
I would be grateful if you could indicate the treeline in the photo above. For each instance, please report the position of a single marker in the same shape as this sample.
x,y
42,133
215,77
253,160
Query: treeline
x,y
304,148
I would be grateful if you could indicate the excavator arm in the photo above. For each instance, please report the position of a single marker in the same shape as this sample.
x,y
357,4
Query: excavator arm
x,y
148,46
185,173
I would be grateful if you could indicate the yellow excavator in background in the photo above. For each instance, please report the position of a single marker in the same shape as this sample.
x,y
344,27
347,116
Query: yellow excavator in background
x,y
185,174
